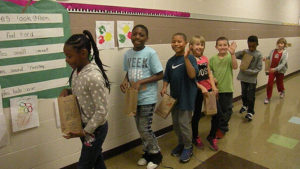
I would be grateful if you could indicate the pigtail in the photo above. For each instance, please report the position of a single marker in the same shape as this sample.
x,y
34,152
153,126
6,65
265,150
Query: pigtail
x,y
97,58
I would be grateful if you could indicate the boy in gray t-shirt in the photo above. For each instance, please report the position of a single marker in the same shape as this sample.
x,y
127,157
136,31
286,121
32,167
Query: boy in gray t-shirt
x,y
248,77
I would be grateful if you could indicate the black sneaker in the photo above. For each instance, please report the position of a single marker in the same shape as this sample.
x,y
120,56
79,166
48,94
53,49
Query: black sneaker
x,y
243,109
155,160
144,159
249,116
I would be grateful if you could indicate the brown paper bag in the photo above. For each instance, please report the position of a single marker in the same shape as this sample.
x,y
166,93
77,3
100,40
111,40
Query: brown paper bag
x,y
165,106
267,65
70,118
210,104
246,61
131,100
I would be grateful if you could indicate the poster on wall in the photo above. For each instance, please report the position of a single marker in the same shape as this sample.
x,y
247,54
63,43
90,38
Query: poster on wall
x,y
24,113
124,29
3,128
32,61
105,34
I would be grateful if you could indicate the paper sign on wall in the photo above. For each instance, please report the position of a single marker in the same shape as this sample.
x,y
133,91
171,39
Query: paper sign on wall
x,y
124,29
3,127
105,34
32,61
24,113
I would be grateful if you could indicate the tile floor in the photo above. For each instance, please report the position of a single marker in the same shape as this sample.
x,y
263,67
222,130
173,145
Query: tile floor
x,y
247,140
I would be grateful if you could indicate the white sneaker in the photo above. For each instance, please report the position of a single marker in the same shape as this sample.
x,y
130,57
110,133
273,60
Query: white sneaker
x,y
151,165
142,161
281,95
266,101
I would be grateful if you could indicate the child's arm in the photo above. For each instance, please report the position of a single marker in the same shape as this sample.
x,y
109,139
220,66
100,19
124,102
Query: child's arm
x,y
155,68
164,89
125,83
96,88
257,68
65,92
239,54
233,57
269,56
212,81
202,88
166,79
189,67
99,98
153,78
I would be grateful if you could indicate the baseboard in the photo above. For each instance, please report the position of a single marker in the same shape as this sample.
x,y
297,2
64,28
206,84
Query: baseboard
x,y
127,146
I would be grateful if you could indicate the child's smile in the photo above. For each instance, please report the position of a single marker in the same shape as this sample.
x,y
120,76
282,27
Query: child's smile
x,y
138,38
178,44
222,46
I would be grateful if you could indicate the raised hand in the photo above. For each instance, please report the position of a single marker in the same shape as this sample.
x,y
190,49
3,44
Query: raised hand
x,y
232,48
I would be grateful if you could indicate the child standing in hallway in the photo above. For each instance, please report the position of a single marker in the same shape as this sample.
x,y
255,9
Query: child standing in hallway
x,y
278,58
248,77
90,85
144,69
180,73
205,84
221,65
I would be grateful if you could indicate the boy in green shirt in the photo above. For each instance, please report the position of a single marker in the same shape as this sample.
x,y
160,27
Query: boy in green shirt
x,y
221,65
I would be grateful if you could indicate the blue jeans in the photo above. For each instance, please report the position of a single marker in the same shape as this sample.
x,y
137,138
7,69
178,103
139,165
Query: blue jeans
x,y
143,121
91,156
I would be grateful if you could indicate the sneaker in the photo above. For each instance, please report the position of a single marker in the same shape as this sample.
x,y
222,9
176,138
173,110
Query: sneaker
x,y
219,134
249,116
143,160
198,143
213,144
281,95
155,160
176,152
151,165
267,101
186,155
243,109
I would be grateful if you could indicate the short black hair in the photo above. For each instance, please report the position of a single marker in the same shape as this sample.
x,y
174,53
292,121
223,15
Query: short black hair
x,y
141,26
253,38
180,34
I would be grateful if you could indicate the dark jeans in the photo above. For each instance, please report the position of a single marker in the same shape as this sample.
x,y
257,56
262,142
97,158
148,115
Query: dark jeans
x,y
91,156
197,113
216,121
225,101
248,95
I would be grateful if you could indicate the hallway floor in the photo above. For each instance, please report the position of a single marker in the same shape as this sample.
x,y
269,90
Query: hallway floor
x,y
271,140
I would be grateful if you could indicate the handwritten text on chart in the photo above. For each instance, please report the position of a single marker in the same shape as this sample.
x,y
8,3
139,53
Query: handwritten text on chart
x,y
34,87
7,18
32,67
7,35
30,50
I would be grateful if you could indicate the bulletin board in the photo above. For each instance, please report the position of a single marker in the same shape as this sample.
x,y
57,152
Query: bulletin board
x,y
32,61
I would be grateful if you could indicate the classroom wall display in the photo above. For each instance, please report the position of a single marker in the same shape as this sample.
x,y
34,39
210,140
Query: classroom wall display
x,y
3,128
105,34
32,61
124,30
24,114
